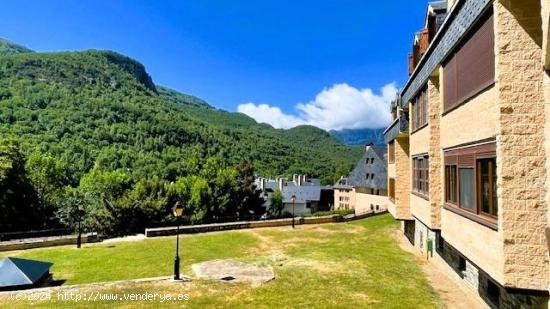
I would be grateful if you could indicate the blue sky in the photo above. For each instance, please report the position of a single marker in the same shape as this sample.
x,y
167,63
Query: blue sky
x,y
272,55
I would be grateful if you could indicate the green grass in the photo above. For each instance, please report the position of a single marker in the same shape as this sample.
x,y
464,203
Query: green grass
x,y
342,265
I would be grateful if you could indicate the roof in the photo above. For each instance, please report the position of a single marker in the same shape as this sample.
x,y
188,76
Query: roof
x,y
18,272
303,193
358,176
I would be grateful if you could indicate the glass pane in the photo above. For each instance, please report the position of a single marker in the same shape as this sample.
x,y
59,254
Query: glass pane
x,y
494,174
466,185
483,166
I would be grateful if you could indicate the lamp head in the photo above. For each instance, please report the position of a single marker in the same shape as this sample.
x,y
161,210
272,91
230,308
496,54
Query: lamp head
x,y
177,210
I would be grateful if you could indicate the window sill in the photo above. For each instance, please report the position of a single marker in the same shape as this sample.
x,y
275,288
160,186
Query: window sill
x,y
492,224
421,195
419,128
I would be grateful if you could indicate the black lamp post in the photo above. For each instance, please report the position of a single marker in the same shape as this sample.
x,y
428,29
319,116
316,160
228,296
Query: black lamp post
x,y
293,199
79,220
177,210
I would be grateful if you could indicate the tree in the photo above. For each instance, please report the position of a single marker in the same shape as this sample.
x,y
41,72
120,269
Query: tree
x,y
276,207
48,177
19,207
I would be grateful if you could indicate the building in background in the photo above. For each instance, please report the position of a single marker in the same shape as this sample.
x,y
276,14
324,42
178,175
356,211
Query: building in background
x,y
365,188
468,147
310,195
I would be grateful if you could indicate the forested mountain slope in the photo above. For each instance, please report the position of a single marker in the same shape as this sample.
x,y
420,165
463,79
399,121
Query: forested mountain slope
x,y
100,112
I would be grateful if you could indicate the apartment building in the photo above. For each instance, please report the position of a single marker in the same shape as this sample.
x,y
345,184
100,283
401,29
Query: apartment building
x,y
365,188
468,174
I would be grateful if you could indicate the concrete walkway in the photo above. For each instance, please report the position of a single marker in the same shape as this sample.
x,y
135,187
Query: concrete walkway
x,y
452,293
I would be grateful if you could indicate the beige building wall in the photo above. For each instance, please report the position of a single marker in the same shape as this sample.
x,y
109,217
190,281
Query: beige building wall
x,y
391,171
348,196
521,155
461,125
364,201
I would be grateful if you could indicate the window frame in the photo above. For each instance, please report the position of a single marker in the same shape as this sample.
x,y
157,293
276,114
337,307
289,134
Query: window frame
x,y
391,152
391,186
419,110
421,175
469,158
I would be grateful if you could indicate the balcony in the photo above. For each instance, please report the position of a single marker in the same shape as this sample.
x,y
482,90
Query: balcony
x,y
399,127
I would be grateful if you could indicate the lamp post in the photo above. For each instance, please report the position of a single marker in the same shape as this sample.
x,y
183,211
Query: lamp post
x,y
177,210
293,199
79,220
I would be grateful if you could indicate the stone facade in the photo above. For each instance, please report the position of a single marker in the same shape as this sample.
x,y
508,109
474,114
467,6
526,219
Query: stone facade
x,y
402,179
521,154
434,152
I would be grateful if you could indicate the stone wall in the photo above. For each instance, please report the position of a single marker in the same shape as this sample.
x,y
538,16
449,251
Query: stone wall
x,y
204,228
42,242
402,178
434,153
521,154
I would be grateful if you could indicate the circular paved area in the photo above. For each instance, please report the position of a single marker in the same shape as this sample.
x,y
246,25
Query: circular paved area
x,y
233,271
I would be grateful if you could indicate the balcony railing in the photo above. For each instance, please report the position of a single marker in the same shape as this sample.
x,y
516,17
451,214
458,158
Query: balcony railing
x,y
399,126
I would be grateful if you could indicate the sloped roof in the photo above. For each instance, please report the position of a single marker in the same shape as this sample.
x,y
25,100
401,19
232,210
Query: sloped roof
x,y
16,272
358,176
303,193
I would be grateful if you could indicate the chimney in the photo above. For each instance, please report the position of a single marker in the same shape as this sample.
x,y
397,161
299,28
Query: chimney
x,y
262,184
299,183
281,184
305,179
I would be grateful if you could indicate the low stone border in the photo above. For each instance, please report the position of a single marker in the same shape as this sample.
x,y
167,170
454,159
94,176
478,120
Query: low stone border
x,y
29,243
203,228
91,285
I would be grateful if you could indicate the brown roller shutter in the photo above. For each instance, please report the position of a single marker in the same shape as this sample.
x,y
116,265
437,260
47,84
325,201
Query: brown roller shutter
x,y
450,160
472,67
449,84
475,62
466,160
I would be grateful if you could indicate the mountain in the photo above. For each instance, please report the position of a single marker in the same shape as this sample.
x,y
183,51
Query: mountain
x,y
102,110
8,47
360,136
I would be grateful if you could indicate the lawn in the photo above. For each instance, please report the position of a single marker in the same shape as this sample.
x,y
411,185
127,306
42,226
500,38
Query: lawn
x,y
344,265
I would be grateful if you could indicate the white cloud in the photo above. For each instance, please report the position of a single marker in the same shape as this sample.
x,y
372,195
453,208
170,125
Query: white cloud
x,y
338,107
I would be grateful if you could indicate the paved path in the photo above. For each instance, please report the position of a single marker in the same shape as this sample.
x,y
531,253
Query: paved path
x,y
453,295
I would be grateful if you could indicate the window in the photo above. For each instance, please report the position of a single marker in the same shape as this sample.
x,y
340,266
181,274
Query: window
x,y
466,188
470,180
487,186
421,182
450,184
391,152
471,68
392,189
420,110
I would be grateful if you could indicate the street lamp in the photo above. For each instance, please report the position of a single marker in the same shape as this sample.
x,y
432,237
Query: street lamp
x,y
79,215
293,199
177,210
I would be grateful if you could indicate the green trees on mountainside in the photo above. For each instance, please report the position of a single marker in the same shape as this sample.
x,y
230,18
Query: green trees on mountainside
x,y
91,128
